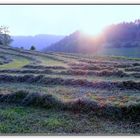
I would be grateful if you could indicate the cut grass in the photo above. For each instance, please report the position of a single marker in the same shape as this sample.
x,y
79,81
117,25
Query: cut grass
x,y
107,95
50,62
16,64
65,91
29,120
114,106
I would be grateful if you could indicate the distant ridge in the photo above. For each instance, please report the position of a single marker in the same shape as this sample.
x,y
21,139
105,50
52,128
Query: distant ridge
x,y
75,43
40,41
122,35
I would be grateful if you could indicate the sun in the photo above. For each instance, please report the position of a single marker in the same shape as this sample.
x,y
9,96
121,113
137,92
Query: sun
x,y
92,32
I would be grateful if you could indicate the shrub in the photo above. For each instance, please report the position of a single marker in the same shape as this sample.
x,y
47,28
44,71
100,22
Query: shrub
x,y
32,48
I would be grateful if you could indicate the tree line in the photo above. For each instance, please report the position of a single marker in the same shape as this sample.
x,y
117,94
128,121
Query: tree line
x,y
125,31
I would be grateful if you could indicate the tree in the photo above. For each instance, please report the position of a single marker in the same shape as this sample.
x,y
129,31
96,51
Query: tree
x,y
32,48
22,48
5,38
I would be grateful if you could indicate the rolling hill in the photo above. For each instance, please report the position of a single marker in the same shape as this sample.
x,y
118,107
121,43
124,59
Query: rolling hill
x,y
121,39
65,93
76,42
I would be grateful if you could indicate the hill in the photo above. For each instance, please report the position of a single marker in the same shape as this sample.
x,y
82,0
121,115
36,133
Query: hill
x,y
76,42
65,93
118,39
39,41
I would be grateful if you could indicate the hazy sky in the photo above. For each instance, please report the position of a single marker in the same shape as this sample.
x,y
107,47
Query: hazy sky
x,y
64,19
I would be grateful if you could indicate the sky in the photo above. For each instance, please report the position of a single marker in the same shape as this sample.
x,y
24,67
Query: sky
x,y
64,19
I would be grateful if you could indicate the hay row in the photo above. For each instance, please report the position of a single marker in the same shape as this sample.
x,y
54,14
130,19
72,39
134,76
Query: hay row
x,y
45,100
117,73
70,82
43,67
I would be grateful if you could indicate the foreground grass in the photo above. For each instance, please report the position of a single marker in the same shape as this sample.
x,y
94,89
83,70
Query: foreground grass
x,y
28,120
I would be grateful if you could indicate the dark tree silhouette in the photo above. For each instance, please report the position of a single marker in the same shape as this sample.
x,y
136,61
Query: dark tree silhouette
x,y
32,48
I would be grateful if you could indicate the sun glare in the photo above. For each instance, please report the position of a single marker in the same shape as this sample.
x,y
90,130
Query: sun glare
x,y
92,32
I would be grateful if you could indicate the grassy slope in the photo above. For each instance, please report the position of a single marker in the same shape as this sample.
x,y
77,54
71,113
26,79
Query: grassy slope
x,y
127,52
16,64
50,62
19,119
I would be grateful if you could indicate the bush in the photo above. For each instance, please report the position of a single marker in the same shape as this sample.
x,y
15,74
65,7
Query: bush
x,y
32,48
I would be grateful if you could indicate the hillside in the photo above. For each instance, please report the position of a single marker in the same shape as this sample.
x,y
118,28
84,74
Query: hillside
x,y
76,42
39,41
65,93
122,37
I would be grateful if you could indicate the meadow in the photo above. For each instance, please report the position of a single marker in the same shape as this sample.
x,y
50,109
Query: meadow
x,y
68,93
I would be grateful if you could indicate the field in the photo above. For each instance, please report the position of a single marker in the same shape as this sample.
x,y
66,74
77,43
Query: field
x,y
68,94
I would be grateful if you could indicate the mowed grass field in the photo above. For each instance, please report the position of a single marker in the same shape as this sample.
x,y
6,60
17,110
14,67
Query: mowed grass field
x,y
68,94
